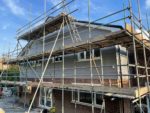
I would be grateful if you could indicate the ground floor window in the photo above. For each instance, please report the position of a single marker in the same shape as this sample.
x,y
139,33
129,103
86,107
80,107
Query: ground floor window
x,y
98,99
45,100
85,98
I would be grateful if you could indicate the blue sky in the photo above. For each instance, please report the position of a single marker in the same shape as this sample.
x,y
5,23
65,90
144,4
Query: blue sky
x,y
16,13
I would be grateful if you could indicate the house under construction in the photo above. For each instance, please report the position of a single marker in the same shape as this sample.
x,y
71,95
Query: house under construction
x,y
73,66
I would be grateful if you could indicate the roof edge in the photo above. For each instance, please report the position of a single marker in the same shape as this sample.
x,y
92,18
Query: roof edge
x,y
106,25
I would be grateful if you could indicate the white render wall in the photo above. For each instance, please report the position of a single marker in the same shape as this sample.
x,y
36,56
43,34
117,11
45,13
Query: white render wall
x,y
37,46
109,56
110,68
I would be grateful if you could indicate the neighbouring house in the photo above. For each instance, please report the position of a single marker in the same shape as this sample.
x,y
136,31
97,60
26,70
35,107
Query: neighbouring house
x,y
2,65
94,71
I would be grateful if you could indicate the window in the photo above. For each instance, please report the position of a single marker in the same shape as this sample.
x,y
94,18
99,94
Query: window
x,y
85,55
45,100
42,97
98,99
57,59
48,97
81,56
39,63
85,98
96,52
74,95
32,63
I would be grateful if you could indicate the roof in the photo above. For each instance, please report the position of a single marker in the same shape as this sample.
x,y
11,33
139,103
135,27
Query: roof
x,y
52,24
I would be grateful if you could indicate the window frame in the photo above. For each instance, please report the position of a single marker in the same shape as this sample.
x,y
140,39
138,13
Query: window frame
x,y
85,55
91,94
79,56
38,63
57,61
95,102
77,101
45,97
93,51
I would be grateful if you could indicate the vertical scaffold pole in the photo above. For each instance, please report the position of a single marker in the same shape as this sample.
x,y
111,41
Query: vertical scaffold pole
x,y
148,104
75,81
91,56
63,68
121,75
43,56
144,53
135,55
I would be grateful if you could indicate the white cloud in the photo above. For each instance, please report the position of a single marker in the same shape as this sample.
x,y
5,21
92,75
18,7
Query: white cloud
x,y
14,7
147,2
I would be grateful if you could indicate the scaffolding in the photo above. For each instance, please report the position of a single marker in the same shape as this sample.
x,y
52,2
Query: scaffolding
x,y
135,88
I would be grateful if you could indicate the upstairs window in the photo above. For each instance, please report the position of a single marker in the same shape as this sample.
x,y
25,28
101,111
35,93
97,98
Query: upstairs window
x,y
39,63
32,63
57,59
85,55
81,56
96,53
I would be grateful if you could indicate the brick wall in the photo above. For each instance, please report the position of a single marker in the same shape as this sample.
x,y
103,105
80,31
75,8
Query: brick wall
x,y
112,106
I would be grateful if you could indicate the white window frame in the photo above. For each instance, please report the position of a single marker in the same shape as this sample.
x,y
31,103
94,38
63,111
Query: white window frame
x,y
39,63
95,101
73,99
93,52
77,101
54,59
45,98
33,63
79,97
85,55
79,56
